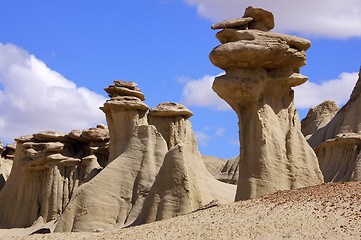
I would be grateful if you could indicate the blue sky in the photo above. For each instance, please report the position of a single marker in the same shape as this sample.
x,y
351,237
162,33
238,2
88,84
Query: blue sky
x,y
57,56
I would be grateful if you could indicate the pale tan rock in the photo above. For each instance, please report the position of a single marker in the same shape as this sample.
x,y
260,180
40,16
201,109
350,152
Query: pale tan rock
x,y
5,168
171,120
170,109
9,151
262,19
253,48
115,196
123,113
257,85
318,117
183,185
230,171
47,168
49,136
213,164
238,23
338,145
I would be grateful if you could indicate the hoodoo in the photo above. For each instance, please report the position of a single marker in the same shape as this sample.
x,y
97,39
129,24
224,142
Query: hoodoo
x,y
183,183
261,67
48,167
338,144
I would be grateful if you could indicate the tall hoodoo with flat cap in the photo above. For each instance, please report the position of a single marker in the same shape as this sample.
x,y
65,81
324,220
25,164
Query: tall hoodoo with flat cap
x,y
261,67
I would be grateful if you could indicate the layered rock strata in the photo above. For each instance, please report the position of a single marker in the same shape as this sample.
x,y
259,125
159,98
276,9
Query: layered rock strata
x,y
338,144
261,67
183,183
5,168
318,117
123,111
48,167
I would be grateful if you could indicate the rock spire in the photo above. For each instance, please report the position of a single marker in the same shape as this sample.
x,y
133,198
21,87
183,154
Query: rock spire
x,y
123,111
261,67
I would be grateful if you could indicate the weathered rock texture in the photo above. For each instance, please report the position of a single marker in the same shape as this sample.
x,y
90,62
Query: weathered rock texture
x,y
171,120
213,164
115,196
136,153
338,144
230,171
183,184
318,117
123,111
5,167
48,167
261,67
8,151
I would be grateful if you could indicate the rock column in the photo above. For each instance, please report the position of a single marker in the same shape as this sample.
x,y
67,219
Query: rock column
x,y
123,111
261,67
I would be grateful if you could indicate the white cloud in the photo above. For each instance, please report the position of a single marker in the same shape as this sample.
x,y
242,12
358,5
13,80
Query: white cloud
x,y
339,90
220,131
34,98
199,93
337,19
202,138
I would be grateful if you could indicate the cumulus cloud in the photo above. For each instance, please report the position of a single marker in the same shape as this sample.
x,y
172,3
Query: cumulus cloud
x,y
336,19
35,98
339,90
199,93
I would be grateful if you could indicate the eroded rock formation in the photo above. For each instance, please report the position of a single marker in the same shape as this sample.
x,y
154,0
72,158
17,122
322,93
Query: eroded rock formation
x,y
123,111
318,117
136,153
338,144
261,67
230,171
183,184
48,167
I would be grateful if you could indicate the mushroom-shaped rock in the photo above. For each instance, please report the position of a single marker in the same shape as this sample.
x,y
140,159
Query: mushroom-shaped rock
x,y
47,168
171,120
261,67
123,111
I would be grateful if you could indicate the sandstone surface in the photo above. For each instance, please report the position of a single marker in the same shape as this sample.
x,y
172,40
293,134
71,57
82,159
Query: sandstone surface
x,y
230,171
338,144
261,67
213,164
48,167
183,184
318,117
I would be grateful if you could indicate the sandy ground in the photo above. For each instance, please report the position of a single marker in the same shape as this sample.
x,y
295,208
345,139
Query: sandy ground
x,y
327,211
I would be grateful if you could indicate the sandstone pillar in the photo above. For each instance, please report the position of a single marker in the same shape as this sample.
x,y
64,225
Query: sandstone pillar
x,y
261,67
123,111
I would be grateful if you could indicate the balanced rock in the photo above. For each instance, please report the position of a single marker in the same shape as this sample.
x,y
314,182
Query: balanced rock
x,y
261,67
318,117
338,144
48,167
171,120
183,183
123,111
